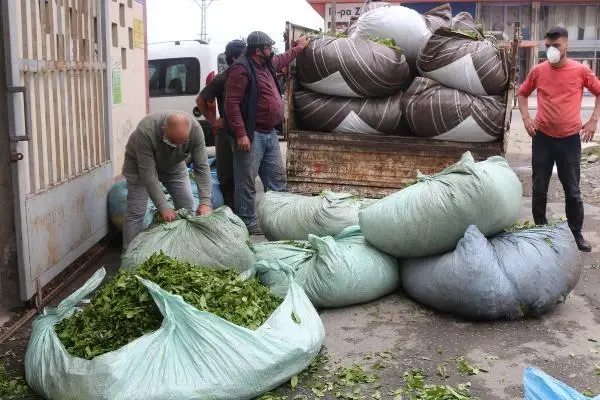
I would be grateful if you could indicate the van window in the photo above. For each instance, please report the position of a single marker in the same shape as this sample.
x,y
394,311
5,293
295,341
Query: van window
x,y
174,77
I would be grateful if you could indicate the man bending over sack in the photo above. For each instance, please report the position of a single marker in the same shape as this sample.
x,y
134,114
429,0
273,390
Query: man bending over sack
x,y
155,154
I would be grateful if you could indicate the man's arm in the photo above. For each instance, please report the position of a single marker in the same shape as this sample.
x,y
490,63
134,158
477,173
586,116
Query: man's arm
x,y
208,95
201,168
591,82
148,175
524,92
235,88
283,60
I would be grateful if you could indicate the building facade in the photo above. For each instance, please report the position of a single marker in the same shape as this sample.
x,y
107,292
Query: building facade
x,y
580,17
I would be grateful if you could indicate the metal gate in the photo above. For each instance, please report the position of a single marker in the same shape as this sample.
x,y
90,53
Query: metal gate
x,y
59,114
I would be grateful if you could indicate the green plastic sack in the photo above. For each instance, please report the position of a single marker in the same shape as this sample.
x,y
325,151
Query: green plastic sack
x,y
288,216
194,355
217,240
431,216
333,271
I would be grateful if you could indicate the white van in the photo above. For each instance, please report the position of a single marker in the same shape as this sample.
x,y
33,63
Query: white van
x,y
177,73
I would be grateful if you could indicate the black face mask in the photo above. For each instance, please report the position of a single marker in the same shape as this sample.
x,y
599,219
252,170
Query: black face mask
x,y
268,58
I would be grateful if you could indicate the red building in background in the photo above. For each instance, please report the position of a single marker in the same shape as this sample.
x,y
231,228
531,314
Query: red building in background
x,y
580,17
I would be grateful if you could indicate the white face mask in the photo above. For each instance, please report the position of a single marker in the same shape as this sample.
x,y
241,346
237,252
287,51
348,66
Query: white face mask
x,y
553,55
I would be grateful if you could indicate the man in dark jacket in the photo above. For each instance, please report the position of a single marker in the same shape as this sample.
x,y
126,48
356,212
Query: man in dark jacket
x,y
253,108
215,90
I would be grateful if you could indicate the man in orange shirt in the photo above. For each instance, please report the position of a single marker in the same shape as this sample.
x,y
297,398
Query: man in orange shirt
x,y
557,130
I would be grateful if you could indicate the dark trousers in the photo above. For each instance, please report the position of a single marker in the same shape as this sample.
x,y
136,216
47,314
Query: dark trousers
x,y
566,153
224,153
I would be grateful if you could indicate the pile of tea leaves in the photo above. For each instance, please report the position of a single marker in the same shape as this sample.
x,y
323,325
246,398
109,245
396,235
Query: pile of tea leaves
x,y
123,310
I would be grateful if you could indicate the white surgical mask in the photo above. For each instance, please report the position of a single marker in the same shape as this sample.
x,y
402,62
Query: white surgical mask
x,y
553,55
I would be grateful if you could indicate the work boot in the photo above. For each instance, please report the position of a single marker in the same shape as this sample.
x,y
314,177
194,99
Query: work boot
x,y
582,244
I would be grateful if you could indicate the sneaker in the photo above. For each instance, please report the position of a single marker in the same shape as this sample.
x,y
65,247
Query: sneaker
x,y
254,230
582,244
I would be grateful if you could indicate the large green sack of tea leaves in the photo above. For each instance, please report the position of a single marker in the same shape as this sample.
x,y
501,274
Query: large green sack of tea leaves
x,y
512,275
288,216
431,216
217,240
193,355
333,271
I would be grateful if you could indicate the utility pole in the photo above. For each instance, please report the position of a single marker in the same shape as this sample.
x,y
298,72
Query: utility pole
x,y
203,4
333,19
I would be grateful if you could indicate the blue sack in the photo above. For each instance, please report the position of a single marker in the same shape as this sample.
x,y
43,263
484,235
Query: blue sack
x,y
541,386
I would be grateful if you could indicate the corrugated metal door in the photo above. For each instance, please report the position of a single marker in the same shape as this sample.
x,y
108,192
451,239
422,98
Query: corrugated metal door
x,y
58,111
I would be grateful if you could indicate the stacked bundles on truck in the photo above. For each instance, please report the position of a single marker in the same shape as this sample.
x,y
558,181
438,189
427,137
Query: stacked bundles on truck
x,y
409,29
436,111
512,275
463,59
352,67
431,216
333,271
320,113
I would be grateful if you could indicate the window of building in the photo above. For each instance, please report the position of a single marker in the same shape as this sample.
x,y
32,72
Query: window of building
x,y
130,31
123,58
500,18
174,77
582,21
115,35
122,14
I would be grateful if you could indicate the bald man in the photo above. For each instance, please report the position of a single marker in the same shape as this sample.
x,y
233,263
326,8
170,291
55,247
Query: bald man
x,y
155,154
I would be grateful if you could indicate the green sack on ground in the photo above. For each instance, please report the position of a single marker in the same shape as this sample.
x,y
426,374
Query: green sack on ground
x,y
288,216
194,355
217,240
431,216
333,271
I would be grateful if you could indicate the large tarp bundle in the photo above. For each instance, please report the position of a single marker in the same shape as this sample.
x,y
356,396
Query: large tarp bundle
x,y
512,275
216,240
409,29
431,216
463,59
321,113
368,6
352,67
435,111
289,216
194,355
333,271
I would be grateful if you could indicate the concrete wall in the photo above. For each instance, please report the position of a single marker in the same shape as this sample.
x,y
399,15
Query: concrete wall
x,y
9,281
132,70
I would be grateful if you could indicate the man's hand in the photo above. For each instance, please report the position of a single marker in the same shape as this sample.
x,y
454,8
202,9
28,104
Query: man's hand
x,y
203,209
303,41
530,125
243,143
216,125
168,215
589,130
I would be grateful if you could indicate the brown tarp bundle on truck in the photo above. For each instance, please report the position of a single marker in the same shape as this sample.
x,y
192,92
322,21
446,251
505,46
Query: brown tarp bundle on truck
x,y
320,113
352,67
462,59
439,112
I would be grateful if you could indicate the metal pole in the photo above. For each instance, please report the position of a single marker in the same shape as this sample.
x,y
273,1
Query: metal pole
x,y
333,15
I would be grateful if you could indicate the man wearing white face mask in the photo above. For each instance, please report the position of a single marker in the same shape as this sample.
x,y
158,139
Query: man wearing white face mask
x,y
155,153
557,130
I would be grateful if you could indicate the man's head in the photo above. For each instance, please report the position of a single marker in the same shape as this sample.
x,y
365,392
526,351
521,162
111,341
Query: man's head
x,y
260,46
233,50
177,129
557,44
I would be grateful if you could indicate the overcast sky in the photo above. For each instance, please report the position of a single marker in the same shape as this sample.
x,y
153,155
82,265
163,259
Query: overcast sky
x,y
227,19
